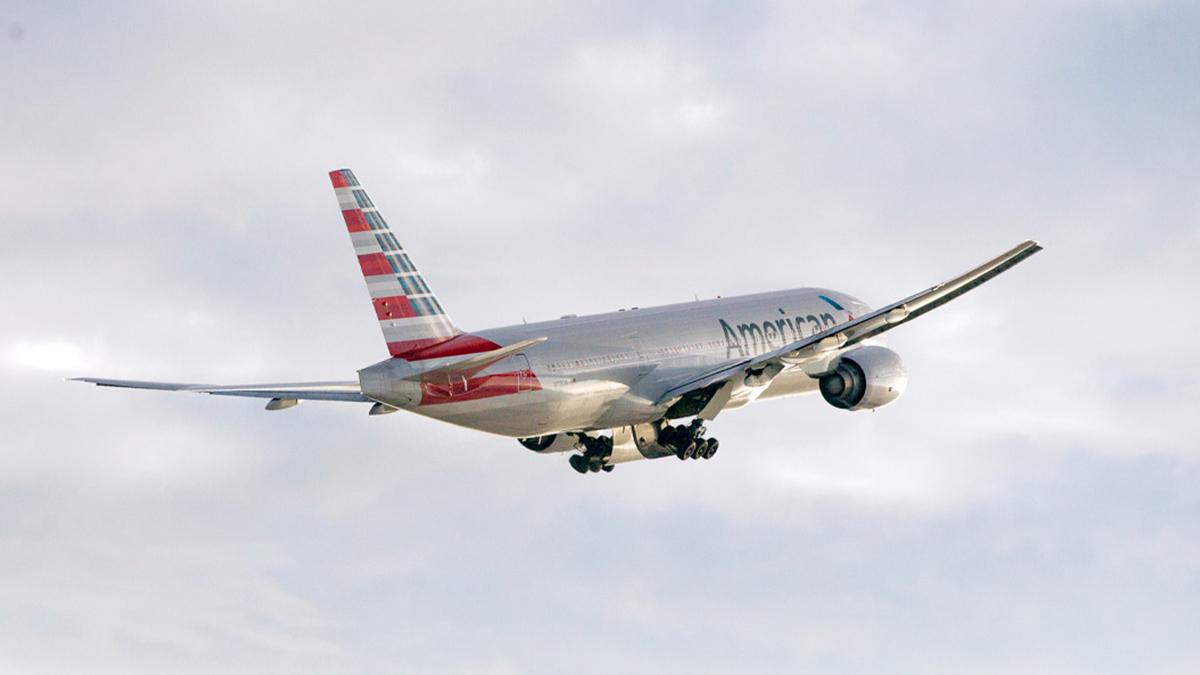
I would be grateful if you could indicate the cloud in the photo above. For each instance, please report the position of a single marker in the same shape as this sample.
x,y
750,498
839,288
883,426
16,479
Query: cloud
x,y
48,355
644,86
1029,505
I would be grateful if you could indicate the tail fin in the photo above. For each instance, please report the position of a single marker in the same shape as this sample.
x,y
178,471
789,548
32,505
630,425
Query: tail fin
x,y
409,314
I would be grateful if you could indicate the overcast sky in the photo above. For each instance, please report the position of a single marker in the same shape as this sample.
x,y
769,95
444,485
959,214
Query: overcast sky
x,y
1032,504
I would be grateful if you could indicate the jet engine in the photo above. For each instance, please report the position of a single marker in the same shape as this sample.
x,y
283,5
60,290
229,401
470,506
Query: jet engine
x,y
551,443
865,378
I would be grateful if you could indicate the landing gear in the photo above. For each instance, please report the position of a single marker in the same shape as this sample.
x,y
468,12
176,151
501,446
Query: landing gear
x,y
648,440
688,442
596,451
579,463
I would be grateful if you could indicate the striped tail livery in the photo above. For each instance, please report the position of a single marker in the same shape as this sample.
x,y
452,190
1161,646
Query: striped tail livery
x,y
409,313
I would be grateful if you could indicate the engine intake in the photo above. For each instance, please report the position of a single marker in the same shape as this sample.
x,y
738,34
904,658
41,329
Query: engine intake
x,y
865,378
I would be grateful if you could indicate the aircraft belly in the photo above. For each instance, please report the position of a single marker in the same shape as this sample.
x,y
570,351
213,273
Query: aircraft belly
x,y
628,409
790,383
585,402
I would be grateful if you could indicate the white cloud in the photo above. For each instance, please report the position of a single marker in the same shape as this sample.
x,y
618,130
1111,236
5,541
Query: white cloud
x,y
645,87
468,166
1028,506
53,355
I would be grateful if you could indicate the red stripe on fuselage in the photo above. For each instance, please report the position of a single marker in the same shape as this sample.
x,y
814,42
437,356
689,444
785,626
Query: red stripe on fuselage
x,y
475,388
355,222
393,307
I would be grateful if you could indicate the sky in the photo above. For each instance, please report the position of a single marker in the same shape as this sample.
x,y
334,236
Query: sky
x,y
1031,505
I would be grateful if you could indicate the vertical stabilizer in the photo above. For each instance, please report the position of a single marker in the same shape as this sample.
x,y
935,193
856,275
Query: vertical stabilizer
x,y
409,314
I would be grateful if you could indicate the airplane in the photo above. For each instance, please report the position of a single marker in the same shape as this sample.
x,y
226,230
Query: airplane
x,y
609,388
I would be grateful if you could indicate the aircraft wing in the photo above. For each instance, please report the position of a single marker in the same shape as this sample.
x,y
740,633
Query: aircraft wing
x,y
290,392
319,391
852,332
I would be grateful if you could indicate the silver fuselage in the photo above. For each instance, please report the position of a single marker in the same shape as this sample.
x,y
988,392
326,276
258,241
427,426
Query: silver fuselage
x,y
601,371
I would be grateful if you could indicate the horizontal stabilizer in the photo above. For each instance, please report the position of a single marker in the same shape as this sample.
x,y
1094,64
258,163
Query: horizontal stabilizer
x,y
477,362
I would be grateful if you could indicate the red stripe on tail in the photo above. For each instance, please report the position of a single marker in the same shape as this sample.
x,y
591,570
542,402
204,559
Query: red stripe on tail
x,y
459,345
355,222
374,264
402,348
338,178
393,307
440,348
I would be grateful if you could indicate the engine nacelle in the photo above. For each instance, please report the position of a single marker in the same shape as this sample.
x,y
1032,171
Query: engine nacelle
x,y
551,443
866,378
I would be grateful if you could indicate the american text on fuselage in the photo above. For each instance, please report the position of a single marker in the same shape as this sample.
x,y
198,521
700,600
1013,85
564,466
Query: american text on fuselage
x,y
754,338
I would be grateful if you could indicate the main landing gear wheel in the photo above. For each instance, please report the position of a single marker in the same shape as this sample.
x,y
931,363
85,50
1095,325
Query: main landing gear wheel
x,y
596,452
579,463
688,442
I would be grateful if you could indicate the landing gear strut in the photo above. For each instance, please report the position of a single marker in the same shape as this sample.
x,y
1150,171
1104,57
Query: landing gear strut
x,y
688,442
